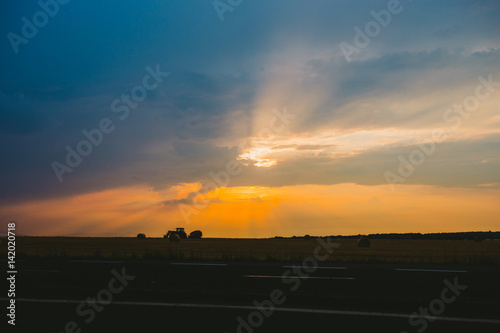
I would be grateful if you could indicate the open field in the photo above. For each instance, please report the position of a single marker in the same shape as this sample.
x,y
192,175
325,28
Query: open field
x,y
270,250
222,279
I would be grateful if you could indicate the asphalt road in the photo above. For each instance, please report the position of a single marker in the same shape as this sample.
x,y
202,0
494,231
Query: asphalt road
x,y
140,296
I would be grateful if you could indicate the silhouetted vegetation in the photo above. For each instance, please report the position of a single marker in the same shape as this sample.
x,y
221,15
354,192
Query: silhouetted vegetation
x,y
471,235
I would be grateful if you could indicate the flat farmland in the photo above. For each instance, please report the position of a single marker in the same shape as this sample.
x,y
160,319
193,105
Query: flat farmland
x,y
257,250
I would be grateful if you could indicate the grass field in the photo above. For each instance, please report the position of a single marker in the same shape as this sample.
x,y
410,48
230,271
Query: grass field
x,y
214,249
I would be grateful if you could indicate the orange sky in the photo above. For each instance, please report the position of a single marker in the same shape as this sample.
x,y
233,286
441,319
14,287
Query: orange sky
x,y
264,211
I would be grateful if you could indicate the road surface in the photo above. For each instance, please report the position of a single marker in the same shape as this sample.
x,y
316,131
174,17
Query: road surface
x,y
142,296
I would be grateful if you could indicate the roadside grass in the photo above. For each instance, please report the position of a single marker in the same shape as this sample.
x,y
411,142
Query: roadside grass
x,y
257,250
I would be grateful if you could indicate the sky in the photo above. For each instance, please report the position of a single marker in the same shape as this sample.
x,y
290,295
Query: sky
x,y
249,118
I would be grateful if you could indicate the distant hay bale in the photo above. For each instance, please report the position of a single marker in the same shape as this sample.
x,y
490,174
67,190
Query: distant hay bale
x,y
174,238
195,234
141,236
363,242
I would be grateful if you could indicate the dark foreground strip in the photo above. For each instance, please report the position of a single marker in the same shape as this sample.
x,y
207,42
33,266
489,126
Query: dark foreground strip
x,y
246,307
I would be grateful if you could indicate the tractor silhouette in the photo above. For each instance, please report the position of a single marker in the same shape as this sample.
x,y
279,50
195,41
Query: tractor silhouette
x,y
178,231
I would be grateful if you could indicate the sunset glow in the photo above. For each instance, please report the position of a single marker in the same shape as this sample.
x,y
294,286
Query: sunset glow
x,y
254,211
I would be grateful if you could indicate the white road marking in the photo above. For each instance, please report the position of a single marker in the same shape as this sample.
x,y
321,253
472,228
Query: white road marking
x,y
196,264
301,277
430,270
319,267
98,261
278,309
